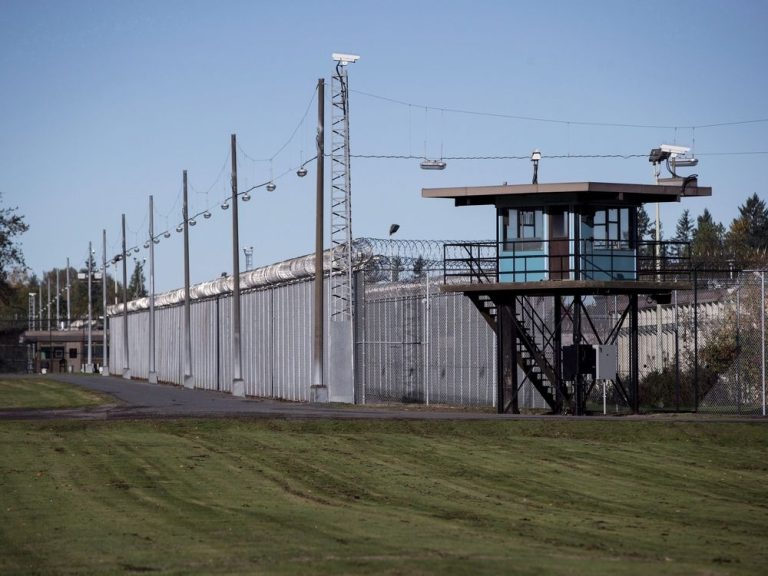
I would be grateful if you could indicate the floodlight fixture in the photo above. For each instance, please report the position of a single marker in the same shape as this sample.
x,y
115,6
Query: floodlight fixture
x,y
166,234
678,162
301,172
192,221
225,205
246,197
675,150
271,187
180,228
535,157
345,59
206,214
433,165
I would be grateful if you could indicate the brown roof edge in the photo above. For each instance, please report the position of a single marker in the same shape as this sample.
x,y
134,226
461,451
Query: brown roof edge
x,y
655,190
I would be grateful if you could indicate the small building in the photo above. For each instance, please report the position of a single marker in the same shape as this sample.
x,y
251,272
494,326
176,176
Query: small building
x,y
557,245
58,351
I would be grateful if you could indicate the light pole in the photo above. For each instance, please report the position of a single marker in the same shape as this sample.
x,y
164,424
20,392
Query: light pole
x,y
318,390
89,363
58,293
69,315
48,305
393,266
105,323
32,310
238,386
187,312
152,370
126,363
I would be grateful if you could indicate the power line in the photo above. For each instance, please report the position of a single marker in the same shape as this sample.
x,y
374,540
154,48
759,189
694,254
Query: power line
x,y
290,138
556,120
544,156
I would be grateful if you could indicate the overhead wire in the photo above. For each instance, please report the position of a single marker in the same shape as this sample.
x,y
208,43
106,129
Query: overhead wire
x,y
557,120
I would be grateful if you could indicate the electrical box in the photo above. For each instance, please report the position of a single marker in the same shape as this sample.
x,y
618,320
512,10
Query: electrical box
x,y
580,355
606,361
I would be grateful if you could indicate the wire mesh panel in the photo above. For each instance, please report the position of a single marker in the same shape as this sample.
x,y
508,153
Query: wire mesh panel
x,y
413,342
732,349
462,353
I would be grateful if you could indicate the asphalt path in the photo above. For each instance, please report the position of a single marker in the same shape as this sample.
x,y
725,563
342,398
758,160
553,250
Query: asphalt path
x,y
140,399
137,399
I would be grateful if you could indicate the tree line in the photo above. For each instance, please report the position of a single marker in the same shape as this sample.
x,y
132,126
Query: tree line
x,y
743,245
17,282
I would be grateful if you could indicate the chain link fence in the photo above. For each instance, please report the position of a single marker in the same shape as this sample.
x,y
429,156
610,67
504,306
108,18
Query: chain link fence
x,y
414,343
703,351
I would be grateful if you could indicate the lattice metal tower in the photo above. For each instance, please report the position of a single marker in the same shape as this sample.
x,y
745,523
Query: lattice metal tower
x,y
341,201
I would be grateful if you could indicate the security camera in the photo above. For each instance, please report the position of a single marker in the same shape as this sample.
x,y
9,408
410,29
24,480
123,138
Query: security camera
x,y
675,150
345,59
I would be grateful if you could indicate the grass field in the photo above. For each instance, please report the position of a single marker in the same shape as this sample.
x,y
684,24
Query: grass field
x,y
45,393
293,497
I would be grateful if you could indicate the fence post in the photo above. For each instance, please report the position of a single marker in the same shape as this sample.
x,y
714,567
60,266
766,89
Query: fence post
x,y
426,342
738,345
695,341
677,358
762,331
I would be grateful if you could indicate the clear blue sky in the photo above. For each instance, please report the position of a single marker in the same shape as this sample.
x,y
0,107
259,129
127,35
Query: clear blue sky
x,y
104,103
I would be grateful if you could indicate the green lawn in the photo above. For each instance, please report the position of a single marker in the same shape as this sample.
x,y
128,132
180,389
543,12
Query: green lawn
x,y
45,393
295,497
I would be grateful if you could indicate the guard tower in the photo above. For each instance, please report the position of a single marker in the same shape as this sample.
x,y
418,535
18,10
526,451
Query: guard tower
x,y
559,249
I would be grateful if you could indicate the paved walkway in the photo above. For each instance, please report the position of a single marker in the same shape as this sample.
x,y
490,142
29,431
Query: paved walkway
x,y
139,399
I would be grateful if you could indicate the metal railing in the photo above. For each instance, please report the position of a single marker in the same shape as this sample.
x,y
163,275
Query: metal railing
x,y
535,260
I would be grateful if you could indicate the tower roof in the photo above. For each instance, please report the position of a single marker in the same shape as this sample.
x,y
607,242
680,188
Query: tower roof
x,y
578,192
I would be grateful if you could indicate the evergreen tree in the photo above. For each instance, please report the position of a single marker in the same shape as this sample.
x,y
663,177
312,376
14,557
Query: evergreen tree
x,y
708,238
645,230
755,215
12,225
683,233
418,267
137,287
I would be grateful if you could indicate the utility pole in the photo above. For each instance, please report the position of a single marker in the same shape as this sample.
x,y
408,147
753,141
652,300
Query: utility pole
x,y
69,310
48,306
126,363
187,315
89,362
238,386
105,325
31,312
318,390
58,292
152,370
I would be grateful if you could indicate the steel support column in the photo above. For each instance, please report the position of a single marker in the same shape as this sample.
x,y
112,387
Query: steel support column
x,y
506,338
634,360
557,345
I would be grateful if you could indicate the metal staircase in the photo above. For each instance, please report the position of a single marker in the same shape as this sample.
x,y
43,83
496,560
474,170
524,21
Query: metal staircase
x,y
534,338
